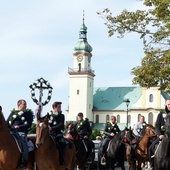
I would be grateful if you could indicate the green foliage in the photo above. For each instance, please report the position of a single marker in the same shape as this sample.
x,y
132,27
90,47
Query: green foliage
x,y
32,129
95,133
153,26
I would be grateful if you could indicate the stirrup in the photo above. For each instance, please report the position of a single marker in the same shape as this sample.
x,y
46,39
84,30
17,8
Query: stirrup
x,y
152,156
103,161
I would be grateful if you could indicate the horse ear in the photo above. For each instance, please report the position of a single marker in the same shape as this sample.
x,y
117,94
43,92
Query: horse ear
x,y
47,117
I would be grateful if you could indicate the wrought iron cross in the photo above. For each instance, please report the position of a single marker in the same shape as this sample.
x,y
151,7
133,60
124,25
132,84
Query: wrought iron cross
x,y
41,84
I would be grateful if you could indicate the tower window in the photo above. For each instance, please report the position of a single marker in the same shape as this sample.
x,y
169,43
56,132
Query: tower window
x,y
151,98
77,92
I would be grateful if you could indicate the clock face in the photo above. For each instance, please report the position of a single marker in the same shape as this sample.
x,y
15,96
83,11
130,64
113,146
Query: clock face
x,y
79,58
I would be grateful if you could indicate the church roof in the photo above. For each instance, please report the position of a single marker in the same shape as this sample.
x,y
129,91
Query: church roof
x,y
113,98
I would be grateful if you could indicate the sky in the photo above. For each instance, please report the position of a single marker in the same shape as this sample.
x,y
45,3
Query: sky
x,y
37,40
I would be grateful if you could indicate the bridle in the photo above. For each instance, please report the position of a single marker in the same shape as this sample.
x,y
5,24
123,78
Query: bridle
x,y
38,144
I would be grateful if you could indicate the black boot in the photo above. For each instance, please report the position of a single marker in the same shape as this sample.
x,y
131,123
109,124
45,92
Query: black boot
x,y
62,156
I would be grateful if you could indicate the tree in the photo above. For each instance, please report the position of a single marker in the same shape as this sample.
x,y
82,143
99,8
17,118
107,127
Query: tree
x,y
153,26
32,129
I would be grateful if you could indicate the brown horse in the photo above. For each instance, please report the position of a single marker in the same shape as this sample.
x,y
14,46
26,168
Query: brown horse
x,y
9,152
47,154
141,152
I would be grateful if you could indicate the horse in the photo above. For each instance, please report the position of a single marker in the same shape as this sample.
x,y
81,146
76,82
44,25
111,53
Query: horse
x,y
81,151
47,154
142,148
116,150
10,154
162,155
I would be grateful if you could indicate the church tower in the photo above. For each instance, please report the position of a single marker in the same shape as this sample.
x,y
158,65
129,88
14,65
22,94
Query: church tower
x,y
81,79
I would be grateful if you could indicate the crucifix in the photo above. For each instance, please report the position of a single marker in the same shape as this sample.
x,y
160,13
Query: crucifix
x,y
41,84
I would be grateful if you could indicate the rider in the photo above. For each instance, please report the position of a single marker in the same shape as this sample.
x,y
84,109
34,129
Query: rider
x,y
19,122
138,127
111,129
160,129
56,128
84,130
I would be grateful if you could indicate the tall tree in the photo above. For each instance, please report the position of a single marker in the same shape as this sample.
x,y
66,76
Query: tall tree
x,y
153,26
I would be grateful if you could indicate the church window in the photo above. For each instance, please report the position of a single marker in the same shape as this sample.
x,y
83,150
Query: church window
x,y
151,98
77,92
107,118
118,118
150,118
139,115
79,69
97,118
129,118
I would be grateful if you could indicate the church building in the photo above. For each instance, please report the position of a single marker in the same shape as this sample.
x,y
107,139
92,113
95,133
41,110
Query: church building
x,y
99,103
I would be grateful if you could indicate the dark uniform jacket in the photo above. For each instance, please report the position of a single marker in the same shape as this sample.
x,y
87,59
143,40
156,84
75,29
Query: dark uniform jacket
x,y
111,128
56,122
160,123
23,119
83,128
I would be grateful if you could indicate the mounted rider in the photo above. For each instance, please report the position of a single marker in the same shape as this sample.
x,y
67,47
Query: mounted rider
x,y
84,130
138,127
19,123
160,130
56,128
111,129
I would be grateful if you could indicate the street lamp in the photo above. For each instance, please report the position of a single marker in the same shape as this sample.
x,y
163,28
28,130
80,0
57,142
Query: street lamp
x,y
127,101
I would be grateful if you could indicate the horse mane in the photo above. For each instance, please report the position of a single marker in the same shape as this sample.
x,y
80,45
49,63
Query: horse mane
x,y
3,122
116,142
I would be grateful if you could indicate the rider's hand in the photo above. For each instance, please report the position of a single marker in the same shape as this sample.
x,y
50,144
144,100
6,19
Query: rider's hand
x,y
161,137
112,134
85,137
16,126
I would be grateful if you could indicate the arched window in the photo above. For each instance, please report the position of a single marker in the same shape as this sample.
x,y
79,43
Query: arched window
x,y
118,118
151,98
129,118
150,118
107,118
79,66
139,115
97,118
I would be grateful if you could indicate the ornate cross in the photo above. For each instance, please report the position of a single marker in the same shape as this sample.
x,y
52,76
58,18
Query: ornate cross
x,y
41,84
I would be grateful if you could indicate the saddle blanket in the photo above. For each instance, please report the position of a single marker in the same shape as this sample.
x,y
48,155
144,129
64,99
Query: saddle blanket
x,y
30,146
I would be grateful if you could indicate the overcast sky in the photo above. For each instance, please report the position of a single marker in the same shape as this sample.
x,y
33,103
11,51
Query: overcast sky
x,y
37,40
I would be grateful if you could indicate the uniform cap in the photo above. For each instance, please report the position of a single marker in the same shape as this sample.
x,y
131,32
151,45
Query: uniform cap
x,y
80,114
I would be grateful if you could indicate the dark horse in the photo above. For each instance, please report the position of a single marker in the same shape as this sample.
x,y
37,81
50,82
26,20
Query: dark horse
x,y
116,152
9,152
81,152
162,155
47,154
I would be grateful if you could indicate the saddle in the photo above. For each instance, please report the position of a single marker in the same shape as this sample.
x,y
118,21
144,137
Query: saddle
x,y
19,143
63,140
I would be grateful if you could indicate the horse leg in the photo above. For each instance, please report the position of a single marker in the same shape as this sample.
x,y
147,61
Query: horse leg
x,y
139,165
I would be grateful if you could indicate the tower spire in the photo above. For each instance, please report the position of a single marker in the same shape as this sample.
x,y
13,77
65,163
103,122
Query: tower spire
x,y
83,16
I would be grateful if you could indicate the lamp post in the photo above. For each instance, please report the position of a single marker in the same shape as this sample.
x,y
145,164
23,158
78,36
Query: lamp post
x,y
127,101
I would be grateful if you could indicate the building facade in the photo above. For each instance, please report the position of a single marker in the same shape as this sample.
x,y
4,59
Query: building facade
x,y
99,103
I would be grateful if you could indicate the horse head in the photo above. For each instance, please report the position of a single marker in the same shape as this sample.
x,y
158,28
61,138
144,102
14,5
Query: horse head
x,y
149,131
127,135
72,131
42,131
